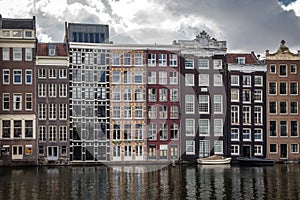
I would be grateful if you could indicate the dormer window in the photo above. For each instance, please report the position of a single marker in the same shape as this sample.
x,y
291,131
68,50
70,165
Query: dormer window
x,y
17,34
51,49
241,60
28,34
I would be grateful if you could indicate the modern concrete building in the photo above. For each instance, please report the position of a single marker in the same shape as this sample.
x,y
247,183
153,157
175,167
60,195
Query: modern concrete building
x,y
17,91
203,97
246,106
52,91
283,104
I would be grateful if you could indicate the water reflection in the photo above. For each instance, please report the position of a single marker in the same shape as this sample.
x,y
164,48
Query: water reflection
x,y
137,182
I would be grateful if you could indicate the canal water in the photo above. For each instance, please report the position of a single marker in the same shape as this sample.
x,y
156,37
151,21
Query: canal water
x,y
138,182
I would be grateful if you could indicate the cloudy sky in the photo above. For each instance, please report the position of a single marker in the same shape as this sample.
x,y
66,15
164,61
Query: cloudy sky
x,y
246,25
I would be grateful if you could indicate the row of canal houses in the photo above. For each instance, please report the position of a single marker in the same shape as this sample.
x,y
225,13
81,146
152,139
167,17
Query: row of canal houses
x,y
88,100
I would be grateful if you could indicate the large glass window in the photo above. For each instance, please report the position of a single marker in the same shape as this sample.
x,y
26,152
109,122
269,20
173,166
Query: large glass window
x,y
189,104
17,54
218,104
190,127
5,53
203,64
204,127
203,79
18,76
203,104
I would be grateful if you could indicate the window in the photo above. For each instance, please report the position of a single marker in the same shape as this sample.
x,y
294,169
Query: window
x,y
52,133
17,152
163,112
273,148
17,104
282,88
258,134
6,129
152,131
293,69
203,64
42,111
189,104
234,134
17,33
258,150
272,128
246,134
246,81
190,147
52,90
294,128
218,147
246,115
138,95
127,59
204,149
283,71
235,80
63,88
116,59
293,88
18,76
6,101
42,73
127,94
173,95
116,94
28,54
6,77
163,94
235,149
138,59
272,88
152,77
127,132
5,53
52,111
116,112
163,132
218,80
152,112
76,57
62,111
235,115
42,133
138,77
63,73
116,132
116,77
294,107
272,107
52,73
203,79
241,60
28,101
174,112
28,78
189,63
17,54
204,127
294,148
235,93
204,104
127,112
218,105
127,77
190,127
152,96
62,133
151,59
174,131
272,69
173,60
283,128
152,152
162,59
258,96
173,78
283,109
17,128
218,127
258,80
28,128
217,64
258,115
246,96
162,78
138,112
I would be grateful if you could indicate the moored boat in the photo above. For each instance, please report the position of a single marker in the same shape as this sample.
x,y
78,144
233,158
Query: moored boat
x,y
214,160
254,161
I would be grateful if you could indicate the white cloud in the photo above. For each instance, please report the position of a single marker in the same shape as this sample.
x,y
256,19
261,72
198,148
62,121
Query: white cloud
x,y
295,6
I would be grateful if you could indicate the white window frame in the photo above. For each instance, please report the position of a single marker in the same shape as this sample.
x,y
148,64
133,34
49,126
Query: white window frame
x,y
203,64
162,78
173,78
204,101
235,95
17,54
204,127
28,54
218,127
162,60
173,60
189,63
189,104
235,131
152,77
17,72
247,132
6,75
190,144
218,80
5,53
189,127
204,80
189,80
258,150
218,109
236,78
217,63
235,149
219,144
